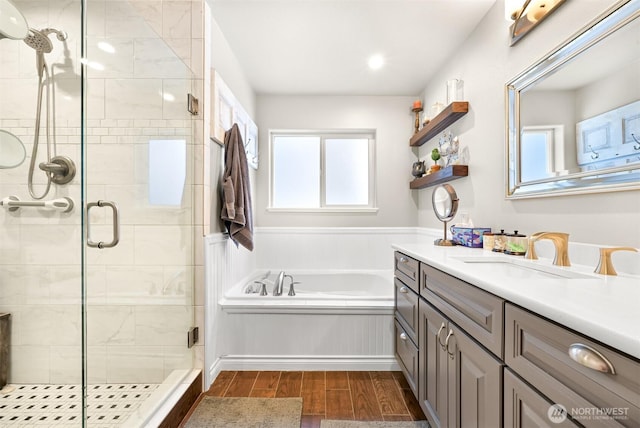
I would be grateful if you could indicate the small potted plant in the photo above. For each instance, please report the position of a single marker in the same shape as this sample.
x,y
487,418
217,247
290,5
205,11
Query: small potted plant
x,y
435,155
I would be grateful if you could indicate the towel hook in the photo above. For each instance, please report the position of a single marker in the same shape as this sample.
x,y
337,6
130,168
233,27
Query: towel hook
x,y
635,146
594,154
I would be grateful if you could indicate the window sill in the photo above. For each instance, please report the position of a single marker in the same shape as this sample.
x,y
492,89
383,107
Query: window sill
x,y
346,210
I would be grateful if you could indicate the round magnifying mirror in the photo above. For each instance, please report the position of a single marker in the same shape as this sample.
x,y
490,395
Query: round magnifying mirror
x,y
12,152
445,205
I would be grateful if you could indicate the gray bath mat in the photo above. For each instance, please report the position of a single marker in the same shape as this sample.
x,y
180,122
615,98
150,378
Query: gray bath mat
x,y
325,423
232,412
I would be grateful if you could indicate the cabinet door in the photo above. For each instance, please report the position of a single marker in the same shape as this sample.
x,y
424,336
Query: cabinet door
x,y
475,383
524,407
433,398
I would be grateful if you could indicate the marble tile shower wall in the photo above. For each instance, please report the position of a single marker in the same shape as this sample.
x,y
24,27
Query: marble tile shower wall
x,y
141,294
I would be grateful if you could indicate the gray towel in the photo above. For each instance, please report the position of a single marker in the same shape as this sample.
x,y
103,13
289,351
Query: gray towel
x,y
236,191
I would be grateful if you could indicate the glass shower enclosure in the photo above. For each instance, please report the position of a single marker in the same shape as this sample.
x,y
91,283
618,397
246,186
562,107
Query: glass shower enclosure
x,y
97,265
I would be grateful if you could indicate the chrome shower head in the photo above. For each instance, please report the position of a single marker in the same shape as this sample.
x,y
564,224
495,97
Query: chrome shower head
x,y
38,41
60,35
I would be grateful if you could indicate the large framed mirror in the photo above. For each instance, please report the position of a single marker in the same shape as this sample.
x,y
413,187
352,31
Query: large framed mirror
x,y
573,118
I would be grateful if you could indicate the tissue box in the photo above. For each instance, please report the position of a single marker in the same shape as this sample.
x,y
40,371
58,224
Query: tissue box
x,y
468,236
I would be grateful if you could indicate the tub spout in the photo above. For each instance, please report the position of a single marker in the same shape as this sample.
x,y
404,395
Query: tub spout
x,y
277,287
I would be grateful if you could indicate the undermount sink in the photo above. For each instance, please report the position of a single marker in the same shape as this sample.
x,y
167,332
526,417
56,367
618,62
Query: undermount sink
x,y
524,269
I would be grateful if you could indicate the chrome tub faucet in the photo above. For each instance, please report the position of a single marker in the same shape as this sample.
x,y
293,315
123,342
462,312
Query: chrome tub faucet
x,y
279,285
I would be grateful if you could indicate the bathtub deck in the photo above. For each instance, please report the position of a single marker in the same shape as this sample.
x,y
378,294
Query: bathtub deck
x,y
363,396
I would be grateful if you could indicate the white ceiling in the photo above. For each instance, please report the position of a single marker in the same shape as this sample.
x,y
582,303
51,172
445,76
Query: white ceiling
x,y
322,46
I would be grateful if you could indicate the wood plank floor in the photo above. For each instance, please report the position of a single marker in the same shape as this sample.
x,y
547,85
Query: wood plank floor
x,y
362,396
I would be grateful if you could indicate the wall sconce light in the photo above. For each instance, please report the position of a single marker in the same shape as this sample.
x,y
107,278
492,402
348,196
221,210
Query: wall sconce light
x,y
526,15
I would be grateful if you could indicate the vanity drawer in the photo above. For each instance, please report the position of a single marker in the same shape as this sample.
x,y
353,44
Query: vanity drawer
x,y
537,350
407,308
407,353
525,407
479,313
407,269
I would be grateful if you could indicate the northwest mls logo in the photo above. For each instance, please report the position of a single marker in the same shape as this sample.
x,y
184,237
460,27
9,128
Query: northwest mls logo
x,y
557,413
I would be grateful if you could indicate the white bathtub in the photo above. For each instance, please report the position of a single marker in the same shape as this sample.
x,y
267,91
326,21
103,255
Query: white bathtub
x,y
328,291
338,320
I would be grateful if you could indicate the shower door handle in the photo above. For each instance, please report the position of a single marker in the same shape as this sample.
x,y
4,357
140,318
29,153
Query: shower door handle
x,y
116,225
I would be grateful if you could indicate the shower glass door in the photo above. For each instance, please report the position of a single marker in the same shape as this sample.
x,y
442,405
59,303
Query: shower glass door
x,y
139,155
93,333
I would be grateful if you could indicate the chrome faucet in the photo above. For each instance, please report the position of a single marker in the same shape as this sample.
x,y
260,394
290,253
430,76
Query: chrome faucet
x,y
560,241
278,286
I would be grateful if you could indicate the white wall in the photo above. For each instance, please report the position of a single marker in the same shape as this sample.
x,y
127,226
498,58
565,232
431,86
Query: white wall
x,y
223,60
392,120
485,62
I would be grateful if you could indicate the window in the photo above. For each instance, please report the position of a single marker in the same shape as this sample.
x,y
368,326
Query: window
x,y
539,152
326,171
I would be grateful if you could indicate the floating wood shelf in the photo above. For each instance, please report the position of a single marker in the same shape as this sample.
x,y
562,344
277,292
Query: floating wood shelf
x,y
445,174
446,117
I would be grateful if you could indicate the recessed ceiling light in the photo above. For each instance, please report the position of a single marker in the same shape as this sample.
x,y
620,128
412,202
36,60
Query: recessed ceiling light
x,y
376,62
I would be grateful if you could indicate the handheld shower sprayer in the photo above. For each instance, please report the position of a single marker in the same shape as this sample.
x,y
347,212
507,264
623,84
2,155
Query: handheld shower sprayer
x,y
59,169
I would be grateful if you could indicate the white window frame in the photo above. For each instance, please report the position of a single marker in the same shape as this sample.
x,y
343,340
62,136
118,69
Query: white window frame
x,y
369,134
554,144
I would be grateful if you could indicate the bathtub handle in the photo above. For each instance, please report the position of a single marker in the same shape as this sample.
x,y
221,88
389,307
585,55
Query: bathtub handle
x,y
404,290
263,288
292,292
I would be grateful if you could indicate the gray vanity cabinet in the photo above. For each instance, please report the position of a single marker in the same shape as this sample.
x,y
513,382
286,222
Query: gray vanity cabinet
x,y
485,362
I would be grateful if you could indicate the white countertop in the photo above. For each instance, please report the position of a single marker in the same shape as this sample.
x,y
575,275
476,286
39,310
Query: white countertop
x,y
604,308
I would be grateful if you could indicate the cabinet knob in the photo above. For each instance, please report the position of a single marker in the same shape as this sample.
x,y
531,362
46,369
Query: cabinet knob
x,y
590,358
404,290
403,336
404,260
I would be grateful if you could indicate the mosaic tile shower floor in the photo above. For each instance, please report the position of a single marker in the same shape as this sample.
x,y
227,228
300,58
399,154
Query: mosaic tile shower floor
x,y
108,405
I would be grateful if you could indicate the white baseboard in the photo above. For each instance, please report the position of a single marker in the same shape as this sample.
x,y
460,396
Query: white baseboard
x,y
304,363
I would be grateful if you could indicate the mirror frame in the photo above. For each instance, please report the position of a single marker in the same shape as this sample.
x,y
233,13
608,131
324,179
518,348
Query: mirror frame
x,y
453,196
603,180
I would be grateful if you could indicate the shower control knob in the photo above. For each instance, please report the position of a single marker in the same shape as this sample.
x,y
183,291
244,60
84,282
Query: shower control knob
x,y
61,168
